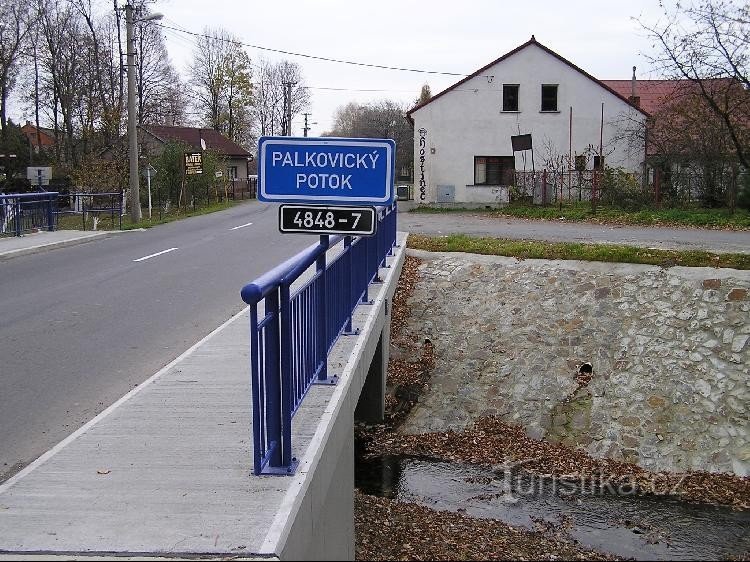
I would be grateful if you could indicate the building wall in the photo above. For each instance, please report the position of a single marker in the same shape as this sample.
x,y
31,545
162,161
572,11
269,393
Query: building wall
x,y
468,121
31,133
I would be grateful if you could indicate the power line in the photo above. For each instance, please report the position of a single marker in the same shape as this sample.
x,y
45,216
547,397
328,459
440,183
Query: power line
x,y
315,57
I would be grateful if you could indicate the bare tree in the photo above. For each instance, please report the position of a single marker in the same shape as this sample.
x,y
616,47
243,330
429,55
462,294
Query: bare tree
x,y
708,44
291,72
221,80
158,84
383,119
269,95
269,98
207,79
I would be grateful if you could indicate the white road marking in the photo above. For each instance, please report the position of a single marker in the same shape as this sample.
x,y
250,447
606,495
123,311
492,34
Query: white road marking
x,y
156,254
241,226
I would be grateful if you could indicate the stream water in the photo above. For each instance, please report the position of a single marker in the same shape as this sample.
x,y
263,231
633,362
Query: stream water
x,y
625,525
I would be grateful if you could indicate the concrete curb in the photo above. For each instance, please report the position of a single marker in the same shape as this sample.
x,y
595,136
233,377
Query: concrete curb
x,y
53,245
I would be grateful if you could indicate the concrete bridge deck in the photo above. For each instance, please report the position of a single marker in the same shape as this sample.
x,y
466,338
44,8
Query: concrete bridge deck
x,y
166,471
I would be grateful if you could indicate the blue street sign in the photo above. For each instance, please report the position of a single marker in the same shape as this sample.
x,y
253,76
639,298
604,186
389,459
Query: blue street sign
x,y
334,171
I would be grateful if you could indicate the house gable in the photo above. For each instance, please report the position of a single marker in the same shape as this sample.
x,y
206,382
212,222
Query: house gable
x,y
491,72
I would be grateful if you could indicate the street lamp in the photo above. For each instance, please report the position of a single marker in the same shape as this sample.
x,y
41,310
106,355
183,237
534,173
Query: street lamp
x,y
135,205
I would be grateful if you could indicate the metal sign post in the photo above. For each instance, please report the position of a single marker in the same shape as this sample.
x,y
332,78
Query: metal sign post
x,y
149,172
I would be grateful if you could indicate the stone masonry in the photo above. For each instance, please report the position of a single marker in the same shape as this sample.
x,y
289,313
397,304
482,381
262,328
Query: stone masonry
x,y
669,350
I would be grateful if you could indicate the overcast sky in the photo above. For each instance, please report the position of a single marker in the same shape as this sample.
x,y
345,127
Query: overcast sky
x,y
602,37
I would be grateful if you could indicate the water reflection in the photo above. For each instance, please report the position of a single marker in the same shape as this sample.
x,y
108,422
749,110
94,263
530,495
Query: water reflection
x,y
631,526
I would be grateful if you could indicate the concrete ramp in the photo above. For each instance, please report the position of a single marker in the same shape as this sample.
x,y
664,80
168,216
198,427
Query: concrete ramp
x,y
167,470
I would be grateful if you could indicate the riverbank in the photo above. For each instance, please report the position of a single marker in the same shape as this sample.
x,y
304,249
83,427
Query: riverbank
x,y
404,530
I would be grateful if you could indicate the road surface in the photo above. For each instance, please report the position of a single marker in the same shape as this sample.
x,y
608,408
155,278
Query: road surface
x,y
81,325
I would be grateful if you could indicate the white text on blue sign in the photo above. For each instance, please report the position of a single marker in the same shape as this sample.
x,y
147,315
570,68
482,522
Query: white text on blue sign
x,y
331,170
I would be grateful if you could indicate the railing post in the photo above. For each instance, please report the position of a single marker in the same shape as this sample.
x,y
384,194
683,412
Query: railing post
x,y
273,381
50,214
19,218
321,320
349,290
256,390
286,375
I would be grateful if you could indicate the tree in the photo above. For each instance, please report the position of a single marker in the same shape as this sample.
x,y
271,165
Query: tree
x,y
221,79
207,79
708,44
383,119
16,144
15,20
425,94
270,93
238,94
159,89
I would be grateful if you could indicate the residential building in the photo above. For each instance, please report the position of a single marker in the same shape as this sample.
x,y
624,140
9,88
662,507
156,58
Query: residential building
x,y
236,159
39,138
463,153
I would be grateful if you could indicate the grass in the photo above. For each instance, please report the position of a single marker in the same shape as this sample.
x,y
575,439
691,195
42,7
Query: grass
x,y
523,249
581,211
75,222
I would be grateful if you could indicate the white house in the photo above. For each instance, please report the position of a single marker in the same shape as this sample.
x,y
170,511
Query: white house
x,y
462,136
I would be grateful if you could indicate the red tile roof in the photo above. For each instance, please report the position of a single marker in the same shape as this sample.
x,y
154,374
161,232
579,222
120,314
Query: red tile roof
x,y
654,94
192,136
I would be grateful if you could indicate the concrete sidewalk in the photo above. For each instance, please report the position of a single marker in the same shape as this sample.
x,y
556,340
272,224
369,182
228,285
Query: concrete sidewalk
x,y
13,246
166,470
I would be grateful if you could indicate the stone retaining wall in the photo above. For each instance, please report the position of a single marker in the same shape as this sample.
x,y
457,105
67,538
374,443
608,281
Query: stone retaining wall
x,y
669,350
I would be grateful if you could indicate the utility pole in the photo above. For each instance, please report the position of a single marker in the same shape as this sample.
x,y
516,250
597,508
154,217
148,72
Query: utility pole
x,y
135,200
306,127
135,203
288,107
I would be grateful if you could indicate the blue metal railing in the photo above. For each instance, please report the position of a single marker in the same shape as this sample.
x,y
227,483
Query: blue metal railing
x,y
24,212
289,344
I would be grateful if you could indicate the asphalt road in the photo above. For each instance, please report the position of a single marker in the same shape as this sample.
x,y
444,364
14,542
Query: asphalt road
x,y
81,325
561,231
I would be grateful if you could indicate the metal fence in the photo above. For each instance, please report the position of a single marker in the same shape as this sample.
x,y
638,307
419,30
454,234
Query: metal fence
x,y
243,188
612,187
21,213
289,344
96,204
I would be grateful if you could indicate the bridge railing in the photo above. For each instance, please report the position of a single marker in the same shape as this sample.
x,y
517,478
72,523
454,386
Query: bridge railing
x,y
24,212
290,342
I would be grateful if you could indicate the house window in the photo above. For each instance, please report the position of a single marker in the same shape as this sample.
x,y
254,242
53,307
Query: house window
x,y
510,97
232,172
549,97
494,170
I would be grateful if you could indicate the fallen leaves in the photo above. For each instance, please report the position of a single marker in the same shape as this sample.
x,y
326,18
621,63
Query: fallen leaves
x,y
393,530
491,441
